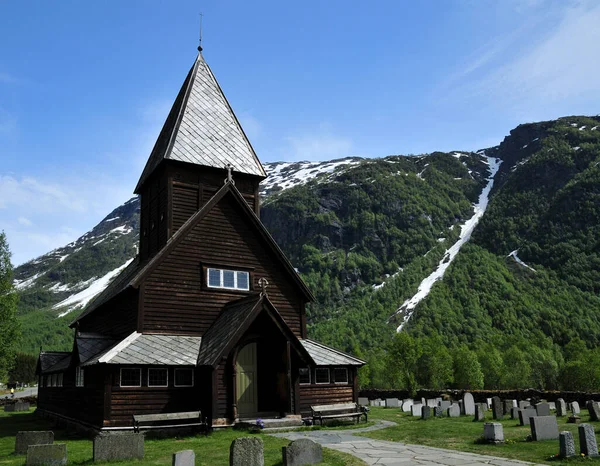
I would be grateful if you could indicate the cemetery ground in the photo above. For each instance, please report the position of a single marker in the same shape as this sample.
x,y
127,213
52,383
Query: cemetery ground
x,y
210,450
460,434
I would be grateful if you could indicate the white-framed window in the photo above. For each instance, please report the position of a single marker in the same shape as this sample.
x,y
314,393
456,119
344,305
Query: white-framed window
x,y
54,379
304,376
322,375
158,377
48,381
184,377
131,377
340,375
59,381
228,279
79,377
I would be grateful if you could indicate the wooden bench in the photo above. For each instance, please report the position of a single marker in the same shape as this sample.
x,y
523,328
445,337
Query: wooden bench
x,y
338,410
166,420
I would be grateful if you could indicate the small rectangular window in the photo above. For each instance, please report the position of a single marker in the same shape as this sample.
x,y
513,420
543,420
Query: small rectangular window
x,y
214,278
322,375
131,377
54,378
229,279
304,375
79,377
184,377
340,375
48,381
59,383
158,378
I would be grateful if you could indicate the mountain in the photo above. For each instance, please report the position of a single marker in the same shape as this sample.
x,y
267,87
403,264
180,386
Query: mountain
x,y
394,241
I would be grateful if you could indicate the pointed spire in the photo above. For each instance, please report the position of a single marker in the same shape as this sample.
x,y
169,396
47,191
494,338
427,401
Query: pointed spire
x,y
202,129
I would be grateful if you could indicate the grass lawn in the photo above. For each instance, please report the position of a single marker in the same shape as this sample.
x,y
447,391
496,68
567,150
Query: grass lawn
x,y
210,450
461,433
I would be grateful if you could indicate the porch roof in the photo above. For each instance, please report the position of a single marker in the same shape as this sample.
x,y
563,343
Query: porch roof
x,y
91,344
144,349
325,356
53,361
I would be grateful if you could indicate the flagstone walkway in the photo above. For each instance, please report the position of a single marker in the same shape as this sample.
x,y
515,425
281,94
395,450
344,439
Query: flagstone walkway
x,y
394,453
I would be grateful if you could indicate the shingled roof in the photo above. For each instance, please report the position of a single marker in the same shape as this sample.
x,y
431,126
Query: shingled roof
x,y
52,361
325,356
202,129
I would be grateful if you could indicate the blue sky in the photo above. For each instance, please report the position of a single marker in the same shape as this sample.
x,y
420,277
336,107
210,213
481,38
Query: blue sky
x,y
85,87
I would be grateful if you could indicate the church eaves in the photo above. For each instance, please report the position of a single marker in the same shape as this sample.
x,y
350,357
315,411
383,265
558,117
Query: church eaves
x,y
202,129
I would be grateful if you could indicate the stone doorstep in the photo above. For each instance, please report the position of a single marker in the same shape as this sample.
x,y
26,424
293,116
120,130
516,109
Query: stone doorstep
x,y
274,423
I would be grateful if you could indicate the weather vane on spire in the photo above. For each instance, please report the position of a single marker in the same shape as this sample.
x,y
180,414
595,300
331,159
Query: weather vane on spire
x,y
200,41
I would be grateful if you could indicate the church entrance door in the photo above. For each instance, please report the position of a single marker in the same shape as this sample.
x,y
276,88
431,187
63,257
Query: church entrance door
x,y
246,381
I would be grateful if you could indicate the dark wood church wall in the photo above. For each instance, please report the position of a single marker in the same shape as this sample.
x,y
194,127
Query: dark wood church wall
x,y
117,317
323,394
154,214
176,299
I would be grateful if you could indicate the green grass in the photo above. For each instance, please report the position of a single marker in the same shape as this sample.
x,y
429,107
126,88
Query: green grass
x,y
461,434
210,450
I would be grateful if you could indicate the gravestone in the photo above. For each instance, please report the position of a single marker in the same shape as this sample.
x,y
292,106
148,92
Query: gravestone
x,y
524,404
480,409
438,400
493,432
542,409
247,451
453,410
21,406
514,413
575,409
544,428
497,409
587,440
406,406
437,411
573,420
54,454
507,406
363,401
184,458
9,408
374,402
561,408
431,402
594,410
469,404
26,438
461,405
489,403
416,410
566,444
426,412
302,451
552,405
445,405
118,446
392,403
525,414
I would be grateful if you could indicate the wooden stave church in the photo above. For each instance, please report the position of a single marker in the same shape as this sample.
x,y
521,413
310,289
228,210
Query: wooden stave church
x,y
166,337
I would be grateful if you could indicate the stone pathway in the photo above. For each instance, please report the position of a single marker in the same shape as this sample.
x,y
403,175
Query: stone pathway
x,y
373,451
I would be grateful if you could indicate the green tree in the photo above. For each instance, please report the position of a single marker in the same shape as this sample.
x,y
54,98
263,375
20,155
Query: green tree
x,y
434,369
9,327
519,374
402,361
467,369
24,368
492,366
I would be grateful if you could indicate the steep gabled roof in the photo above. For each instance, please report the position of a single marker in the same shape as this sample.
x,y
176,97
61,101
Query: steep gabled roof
x,y
53,361
202,129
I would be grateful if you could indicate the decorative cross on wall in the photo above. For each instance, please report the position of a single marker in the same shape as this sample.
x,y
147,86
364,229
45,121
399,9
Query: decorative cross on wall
x,y
229,178
263,283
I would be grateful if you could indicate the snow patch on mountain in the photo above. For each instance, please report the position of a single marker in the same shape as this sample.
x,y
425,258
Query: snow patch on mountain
x,y
513,254
28,282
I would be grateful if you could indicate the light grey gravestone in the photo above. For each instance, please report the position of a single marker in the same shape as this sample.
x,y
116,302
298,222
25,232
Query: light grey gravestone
x,y
542,409
561,408
302,451
444,405
489,402
21,406
26,438
374,402
497,409
437,411
423,401
392,403
507,406
480,409
247,451
469,404
493,432
566,444
515,404
118,446
9,408
525,414
594,410
426,412
362,401
514,413
54,454
575,409
524,404
416,409
406,406
552,405
431,402
587,440
453,410
544,428
184,458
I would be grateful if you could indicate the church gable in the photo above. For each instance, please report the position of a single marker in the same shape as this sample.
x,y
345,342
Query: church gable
x,y
177,296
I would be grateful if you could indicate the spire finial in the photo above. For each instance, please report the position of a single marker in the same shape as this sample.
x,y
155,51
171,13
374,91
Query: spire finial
x,y
200,41
229,178
263,283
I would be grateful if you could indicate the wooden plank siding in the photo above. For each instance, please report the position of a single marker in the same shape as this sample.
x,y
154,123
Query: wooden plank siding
x,y
316,394
117,317
176,299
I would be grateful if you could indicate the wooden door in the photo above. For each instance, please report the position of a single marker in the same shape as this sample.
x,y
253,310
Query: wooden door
x,y
246,381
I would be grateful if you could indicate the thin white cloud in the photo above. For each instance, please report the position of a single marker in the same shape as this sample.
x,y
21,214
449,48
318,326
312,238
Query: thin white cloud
x,y
38,196
24,221
320,144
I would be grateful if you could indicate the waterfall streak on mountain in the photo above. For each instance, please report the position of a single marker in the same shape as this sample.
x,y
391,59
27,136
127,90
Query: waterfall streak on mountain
x,y
465,234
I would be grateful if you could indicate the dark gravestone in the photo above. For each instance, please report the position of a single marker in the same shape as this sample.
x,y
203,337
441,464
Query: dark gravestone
x,y
544,428
525,414
561,408
594,410
497,408
573,420
426,412
184,458
507,405
25,439
453,410
118,446
302,451
461,405
493,432
480,409
47,455
542,409
566,444
575,409
587,440
514,413
468,404
247,451
9,408
437,411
